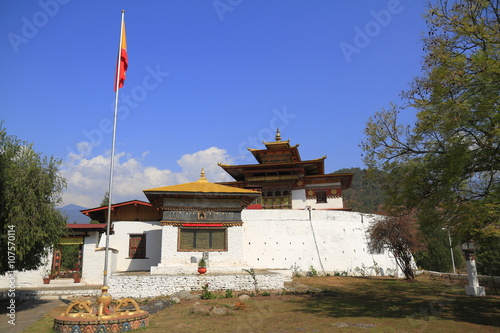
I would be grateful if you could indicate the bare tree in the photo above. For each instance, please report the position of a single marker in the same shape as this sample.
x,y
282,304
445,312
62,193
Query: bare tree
x,y
399,235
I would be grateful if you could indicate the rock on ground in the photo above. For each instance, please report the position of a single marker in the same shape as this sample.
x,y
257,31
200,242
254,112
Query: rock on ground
x,y
209,309
156,306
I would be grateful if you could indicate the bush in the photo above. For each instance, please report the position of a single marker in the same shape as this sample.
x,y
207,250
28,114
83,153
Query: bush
x,y
206,294
312,272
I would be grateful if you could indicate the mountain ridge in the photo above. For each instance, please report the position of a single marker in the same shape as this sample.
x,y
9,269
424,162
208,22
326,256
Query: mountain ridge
x,y
74,215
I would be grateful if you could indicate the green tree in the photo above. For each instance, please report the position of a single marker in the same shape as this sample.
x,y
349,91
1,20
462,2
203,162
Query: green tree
x,y
436,255
488,255
30,188
446,165
105,200
365,193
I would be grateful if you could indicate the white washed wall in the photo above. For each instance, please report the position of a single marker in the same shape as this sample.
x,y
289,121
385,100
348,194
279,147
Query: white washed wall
x,y
299,201
175,262
332,203
31,278
93,259
268,239
284,239
120,242
92,269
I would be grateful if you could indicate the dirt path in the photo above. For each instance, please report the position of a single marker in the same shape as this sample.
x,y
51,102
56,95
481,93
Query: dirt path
x,y
27,313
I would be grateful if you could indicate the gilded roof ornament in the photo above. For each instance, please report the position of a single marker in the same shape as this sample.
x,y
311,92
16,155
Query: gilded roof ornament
x,y
202,177
278,135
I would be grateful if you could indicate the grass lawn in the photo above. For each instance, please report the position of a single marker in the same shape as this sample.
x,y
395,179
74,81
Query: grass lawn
x,y
347,304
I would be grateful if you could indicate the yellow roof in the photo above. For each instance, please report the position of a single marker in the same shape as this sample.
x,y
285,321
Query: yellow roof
x,y
201,185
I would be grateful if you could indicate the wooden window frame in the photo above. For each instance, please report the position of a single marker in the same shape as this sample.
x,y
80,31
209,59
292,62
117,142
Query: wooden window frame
x,y
321,197
133,254
181,229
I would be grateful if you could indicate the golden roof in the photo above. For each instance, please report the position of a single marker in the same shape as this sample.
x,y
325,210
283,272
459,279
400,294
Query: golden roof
x,y
202,185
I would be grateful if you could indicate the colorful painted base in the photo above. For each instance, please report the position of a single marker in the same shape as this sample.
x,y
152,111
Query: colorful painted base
x,y
84,325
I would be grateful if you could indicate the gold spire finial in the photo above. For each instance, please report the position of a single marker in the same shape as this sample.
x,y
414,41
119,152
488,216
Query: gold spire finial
x,y
202,176
278,135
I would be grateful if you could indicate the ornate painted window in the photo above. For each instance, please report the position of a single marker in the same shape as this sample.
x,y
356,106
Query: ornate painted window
x,y
277,200
320,197
202,239
137,246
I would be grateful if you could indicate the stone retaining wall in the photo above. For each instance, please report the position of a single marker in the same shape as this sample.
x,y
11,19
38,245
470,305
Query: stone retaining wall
x,y
483,279
142,286
51,294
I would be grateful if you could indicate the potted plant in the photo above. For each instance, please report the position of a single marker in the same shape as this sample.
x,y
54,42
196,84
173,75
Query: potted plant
x,y
76,276
202,266
47,276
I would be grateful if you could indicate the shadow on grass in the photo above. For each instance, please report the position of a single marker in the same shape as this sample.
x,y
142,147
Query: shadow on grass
x,y
401,299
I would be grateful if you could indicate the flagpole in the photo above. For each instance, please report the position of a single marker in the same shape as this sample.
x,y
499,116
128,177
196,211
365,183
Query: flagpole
x,y
112,164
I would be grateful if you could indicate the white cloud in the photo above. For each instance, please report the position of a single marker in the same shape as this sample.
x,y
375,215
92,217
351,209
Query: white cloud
x,y
191,165
84,146
88,179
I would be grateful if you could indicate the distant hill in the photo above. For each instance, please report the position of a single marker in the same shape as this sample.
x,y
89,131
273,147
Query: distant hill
x,y
366,193
74,215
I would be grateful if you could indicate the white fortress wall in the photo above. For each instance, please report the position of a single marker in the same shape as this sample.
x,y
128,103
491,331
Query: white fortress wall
x,y
287,239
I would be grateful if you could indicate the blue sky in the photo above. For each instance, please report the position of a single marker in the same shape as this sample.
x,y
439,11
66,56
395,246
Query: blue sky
x,y
206,80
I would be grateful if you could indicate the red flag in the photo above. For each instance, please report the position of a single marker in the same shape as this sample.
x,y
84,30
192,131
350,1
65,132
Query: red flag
x,y
123,59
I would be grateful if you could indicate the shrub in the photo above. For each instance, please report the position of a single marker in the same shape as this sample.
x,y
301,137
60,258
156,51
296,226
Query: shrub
x,y
312,272
338,273
206,294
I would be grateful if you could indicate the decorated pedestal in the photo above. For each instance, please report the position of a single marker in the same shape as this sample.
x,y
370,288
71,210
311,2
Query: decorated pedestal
x,y
83,316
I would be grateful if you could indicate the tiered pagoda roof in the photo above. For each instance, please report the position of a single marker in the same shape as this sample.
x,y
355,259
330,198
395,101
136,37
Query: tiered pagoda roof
x,y
280,162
